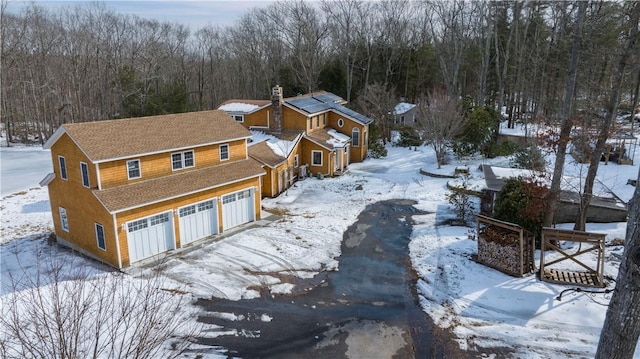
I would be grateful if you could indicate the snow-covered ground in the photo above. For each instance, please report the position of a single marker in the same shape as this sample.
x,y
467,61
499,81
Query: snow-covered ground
x,y
482,306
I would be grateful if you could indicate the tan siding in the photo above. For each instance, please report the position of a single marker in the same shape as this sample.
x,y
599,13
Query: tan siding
x,y
268,183
114,173
173,204
258,118
270,180
305,158
356,154
317,123
83,209
293,120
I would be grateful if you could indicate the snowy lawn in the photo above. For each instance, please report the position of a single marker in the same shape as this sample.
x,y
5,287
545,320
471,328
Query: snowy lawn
x,y
482,306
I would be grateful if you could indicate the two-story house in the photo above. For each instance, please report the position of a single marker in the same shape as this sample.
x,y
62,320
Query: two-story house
x,y
125,190
324,136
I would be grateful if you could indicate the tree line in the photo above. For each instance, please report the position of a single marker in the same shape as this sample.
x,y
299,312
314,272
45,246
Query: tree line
x,y
86,62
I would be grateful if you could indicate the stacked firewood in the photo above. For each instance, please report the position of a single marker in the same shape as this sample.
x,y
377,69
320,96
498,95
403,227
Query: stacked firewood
x,y
499,248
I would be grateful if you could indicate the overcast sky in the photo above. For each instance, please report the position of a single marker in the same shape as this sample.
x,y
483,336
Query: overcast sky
x,y
195,14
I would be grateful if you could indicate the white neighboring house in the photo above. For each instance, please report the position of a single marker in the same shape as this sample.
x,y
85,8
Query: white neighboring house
x,y
404,114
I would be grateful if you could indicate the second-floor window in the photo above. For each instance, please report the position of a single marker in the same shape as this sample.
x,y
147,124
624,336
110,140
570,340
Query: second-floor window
x,y
84,170
63,167
224,152
238,118
295,161
133,169
180,160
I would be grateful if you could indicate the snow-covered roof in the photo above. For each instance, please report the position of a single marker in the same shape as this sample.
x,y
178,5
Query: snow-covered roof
x,y
238,107
337,139
495,177
279,146
403,107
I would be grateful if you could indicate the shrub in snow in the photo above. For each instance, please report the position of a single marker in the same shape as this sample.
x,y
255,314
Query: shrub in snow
x,y
377,149
521,201
478,133
461,200
409,137
530,158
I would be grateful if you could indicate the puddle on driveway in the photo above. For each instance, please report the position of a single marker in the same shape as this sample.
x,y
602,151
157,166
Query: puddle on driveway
x,y
366,309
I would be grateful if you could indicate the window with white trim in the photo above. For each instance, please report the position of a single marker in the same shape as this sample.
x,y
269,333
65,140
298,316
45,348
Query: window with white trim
x,y
244,194
318,121
133,169
295,161
64,220
63,167
340,122
187,211
203,206
324,118
238,118
229,198
355,137
224,152
84,171
102,244
159,219
180,160
316,158
137,225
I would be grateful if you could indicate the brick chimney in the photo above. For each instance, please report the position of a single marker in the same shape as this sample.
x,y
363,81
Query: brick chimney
x,y
276,103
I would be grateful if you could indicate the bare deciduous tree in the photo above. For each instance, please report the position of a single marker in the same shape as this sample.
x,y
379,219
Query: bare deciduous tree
x,y
378,103
441,120
67,310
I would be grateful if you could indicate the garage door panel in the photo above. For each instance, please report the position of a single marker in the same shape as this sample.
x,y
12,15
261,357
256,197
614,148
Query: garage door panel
x,y
149,236
237,208
198,221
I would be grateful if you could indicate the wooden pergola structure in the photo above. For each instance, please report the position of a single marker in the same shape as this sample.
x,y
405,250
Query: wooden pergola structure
x,y
588,276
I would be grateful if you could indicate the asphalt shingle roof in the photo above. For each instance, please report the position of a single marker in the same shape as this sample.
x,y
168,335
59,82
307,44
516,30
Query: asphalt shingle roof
x,y
263,153
111,139
158,189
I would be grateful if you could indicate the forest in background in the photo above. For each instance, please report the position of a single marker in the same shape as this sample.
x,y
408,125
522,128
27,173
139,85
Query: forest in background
x,y
86,62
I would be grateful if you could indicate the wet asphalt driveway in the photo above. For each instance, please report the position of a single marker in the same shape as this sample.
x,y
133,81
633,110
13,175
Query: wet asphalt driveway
x,y
367,309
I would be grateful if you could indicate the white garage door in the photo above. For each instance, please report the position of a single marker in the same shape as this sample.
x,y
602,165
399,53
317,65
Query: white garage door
x,y
237,208
150,236
198,221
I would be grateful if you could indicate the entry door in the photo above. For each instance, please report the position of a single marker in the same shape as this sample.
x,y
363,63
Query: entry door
x,y
237,208
198,221
150,236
